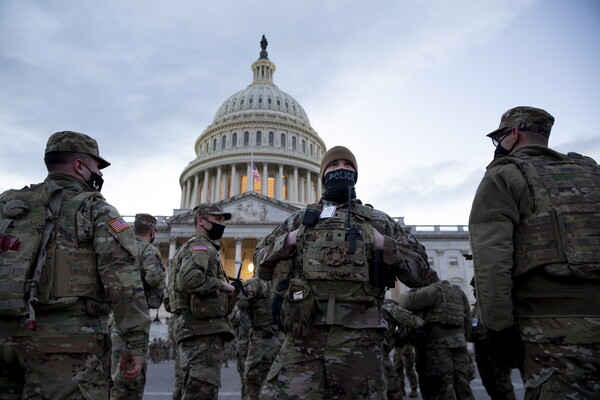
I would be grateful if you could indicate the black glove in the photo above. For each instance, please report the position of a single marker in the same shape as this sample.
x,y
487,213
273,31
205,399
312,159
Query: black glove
x,y
506,347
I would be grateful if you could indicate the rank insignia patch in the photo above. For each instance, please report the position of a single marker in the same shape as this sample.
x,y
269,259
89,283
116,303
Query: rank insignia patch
x,y
119,225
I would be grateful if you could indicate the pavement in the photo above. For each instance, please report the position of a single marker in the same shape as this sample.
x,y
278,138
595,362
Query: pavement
x,y
161,377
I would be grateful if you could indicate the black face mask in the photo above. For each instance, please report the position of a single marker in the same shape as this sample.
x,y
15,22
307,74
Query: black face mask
x,y
501,151
95,181
216,232
337,183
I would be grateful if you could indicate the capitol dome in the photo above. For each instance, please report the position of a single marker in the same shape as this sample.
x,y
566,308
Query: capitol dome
x,y
261,141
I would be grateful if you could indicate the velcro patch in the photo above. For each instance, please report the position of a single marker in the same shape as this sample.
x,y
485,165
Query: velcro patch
x,y
200,247
119,225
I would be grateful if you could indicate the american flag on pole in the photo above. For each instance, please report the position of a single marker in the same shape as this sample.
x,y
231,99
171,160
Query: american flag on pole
x,y
255,173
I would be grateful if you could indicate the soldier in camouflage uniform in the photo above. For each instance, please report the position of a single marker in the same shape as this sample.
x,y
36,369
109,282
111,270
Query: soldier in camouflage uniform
x,y
331,310
534,230
404,363
495,379
401,326
61,348
445,366
242,327
265,339
152,271
198,298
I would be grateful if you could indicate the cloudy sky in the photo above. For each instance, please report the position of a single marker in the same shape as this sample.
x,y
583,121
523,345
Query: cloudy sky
x,y
411,86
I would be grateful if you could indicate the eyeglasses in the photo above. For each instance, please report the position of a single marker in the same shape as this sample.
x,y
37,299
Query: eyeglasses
x,y
498,139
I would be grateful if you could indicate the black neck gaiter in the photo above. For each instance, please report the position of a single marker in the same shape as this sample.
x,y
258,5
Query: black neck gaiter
x,y
337,183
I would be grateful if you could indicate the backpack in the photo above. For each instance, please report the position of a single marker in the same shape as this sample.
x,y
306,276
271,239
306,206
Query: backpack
x,y
27,219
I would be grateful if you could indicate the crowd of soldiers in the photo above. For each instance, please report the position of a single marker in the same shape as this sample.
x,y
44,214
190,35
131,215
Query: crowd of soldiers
x,y
314,322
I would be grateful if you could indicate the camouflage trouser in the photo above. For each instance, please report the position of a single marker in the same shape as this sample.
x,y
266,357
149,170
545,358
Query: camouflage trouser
x,y
57,368
497,381
240,361
125,390
561,372
395,388
261,352
404,362
448,373
333,363
200,364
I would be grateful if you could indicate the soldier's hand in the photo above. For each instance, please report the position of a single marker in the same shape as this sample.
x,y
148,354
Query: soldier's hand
x,y
227,288
290,241
378,239
132,365
506,348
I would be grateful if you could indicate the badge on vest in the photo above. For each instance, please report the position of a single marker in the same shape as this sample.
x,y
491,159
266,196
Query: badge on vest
x,y
200,247
119,225
328,211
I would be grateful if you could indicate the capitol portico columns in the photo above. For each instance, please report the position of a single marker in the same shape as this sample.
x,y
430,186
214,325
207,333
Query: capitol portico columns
x,y
238,254
265,179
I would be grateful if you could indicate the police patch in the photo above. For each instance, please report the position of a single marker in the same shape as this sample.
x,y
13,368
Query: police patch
x,y
119,225
200,247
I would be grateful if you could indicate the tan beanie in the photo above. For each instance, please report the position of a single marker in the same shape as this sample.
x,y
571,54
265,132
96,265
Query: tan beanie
x,y
337,153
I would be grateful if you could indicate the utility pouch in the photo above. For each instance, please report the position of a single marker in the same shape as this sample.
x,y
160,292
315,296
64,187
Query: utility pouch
x,y
298,308
95,307
212,305
278,295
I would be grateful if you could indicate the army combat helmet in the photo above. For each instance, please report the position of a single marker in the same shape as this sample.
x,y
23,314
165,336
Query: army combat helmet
x,y
75,142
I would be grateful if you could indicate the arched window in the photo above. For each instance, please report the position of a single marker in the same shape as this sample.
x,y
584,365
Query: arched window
x,y
234,140
215,144
311,149
260,100
269,100
283,144
271,139
303,146
294,143
223,142
258,138
246,138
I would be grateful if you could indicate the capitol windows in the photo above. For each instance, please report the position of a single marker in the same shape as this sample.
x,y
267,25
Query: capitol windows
x,y
311,149
283,144
278,102
246,138
258,138
303,146
260,100
215,144
430,261
250,100
241,102
223,142
234,140
269,101
287,105
294,143
271,139
453,262
271,186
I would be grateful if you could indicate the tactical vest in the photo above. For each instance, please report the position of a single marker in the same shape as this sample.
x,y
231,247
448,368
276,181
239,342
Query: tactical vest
x,y
46,254
332,273
562,234
261,312
154,294
450,310
210,305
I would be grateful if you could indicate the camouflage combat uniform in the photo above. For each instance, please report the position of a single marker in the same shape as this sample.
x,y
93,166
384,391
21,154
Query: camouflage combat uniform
x,y
443,360
199,312
334,348
242,328
496,380
404,363
68,356
153,278
401,325
550,289
265,339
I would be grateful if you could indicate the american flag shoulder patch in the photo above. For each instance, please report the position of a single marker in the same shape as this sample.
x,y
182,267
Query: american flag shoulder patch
x,y
119,225
200,247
